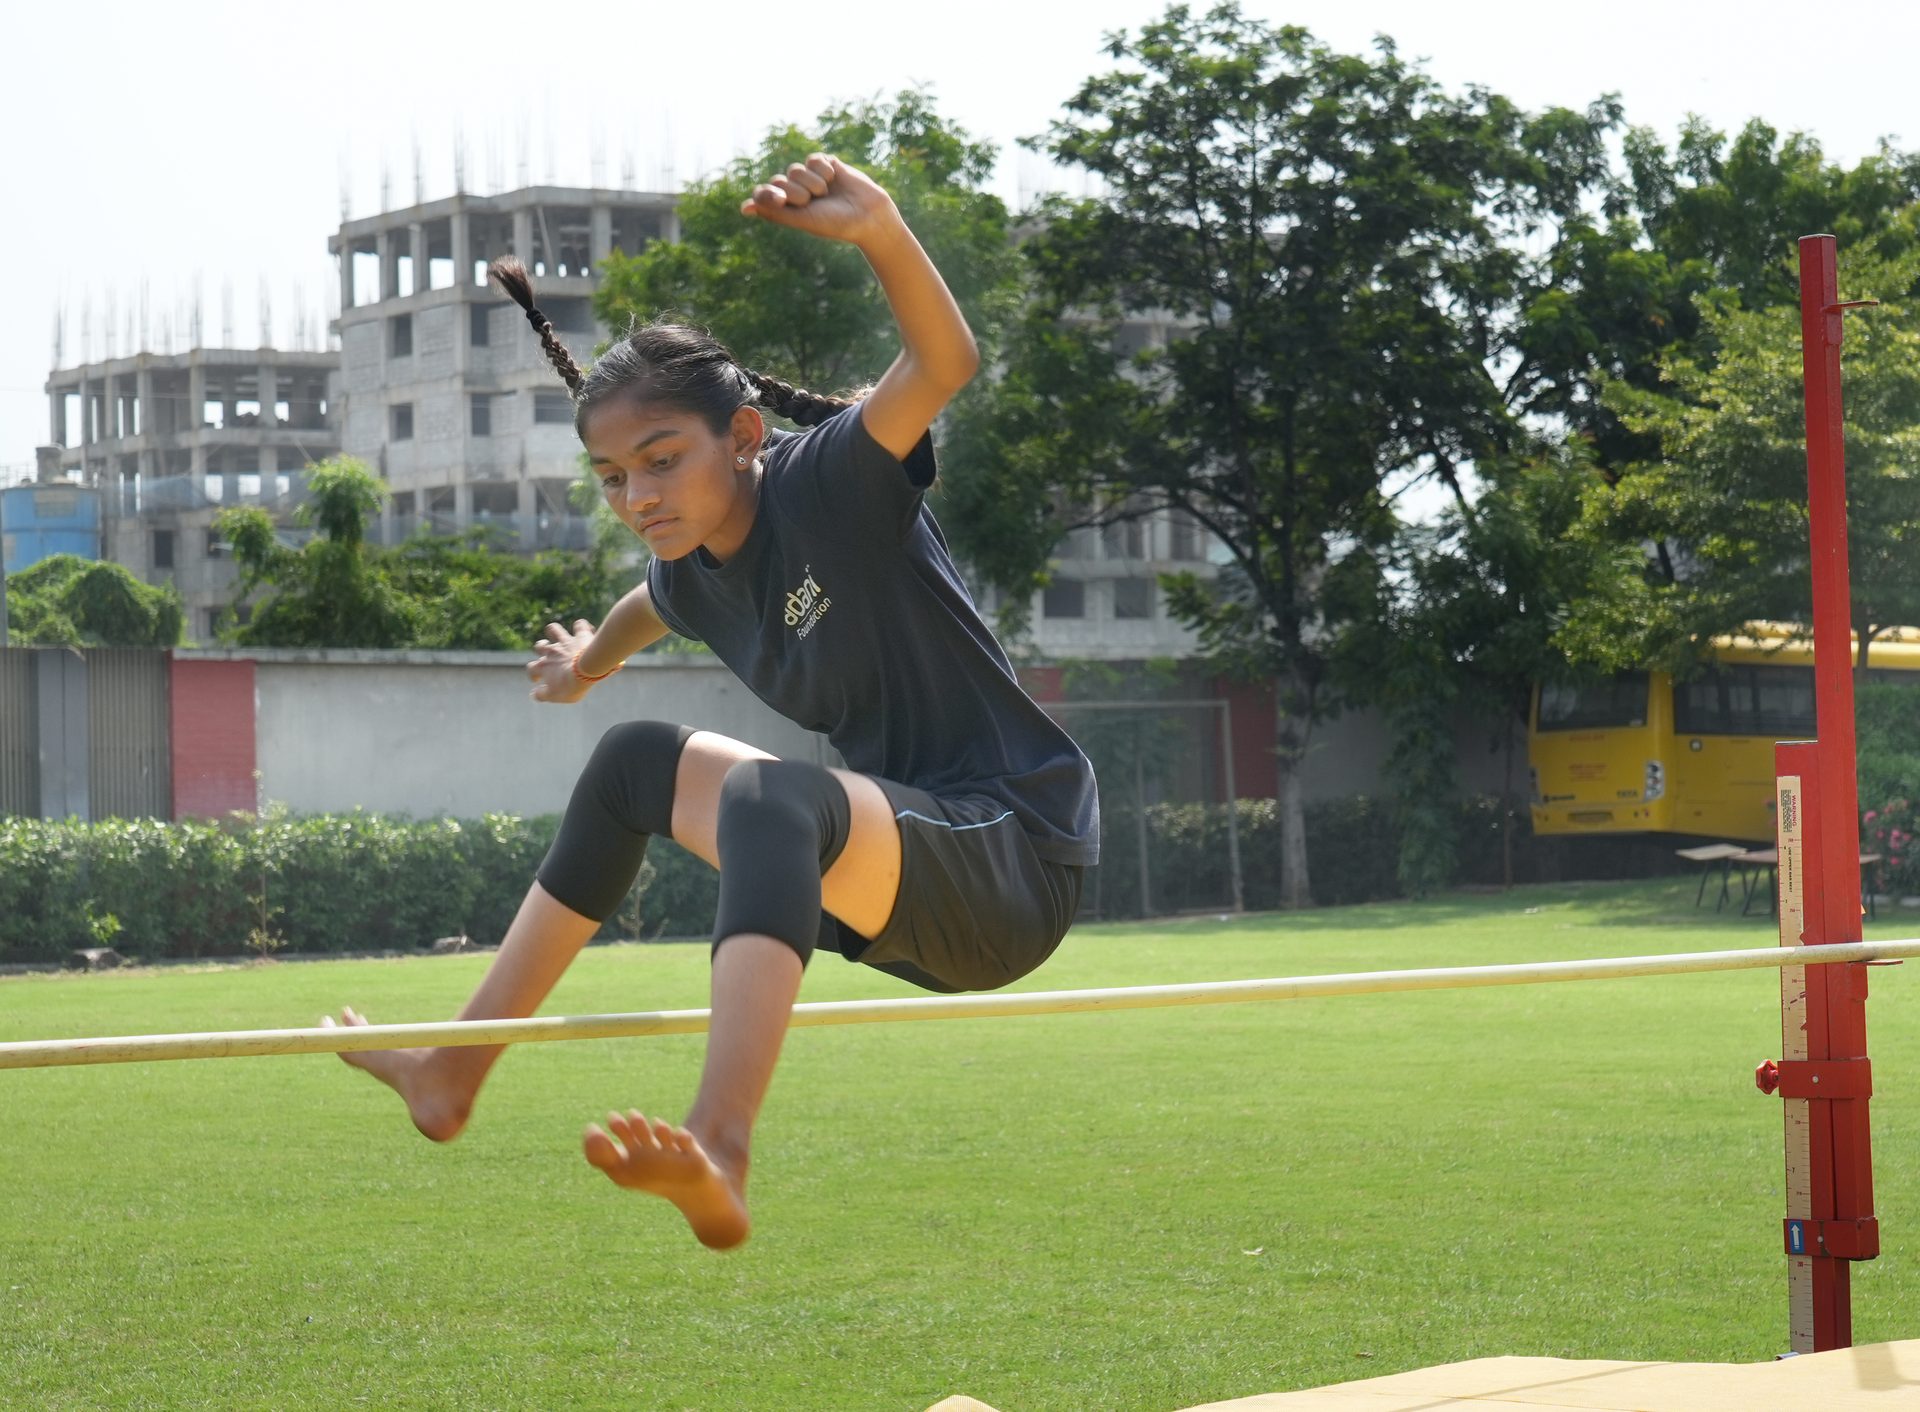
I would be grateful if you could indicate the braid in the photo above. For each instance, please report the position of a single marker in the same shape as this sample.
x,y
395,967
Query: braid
x,y
513,278
805,409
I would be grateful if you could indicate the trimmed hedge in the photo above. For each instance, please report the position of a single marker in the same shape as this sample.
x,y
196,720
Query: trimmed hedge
x,y
329,883
367,882
1353,854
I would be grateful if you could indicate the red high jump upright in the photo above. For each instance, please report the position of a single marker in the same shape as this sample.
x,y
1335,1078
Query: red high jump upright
x,y
1823,1077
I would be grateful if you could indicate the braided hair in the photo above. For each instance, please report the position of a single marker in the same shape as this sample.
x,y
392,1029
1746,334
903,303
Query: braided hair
x,y
668,363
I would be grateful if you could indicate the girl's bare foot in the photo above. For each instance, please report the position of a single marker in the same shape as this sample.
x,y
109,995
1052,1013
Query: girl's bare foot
x,y
654,1156
437,1110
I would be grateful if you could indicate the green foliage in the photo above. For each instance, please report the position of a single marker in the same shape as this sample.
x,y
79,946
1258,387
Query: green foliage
x,y
434,591
67,601
1620,294
806,309
352,882
469,595
1355,853
328,593
1889,775
1725,503
1337,243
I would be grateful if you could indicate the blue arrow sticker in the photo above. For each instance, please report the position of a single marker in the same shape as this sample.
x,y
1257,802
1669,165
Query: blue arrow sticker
x,y
1796,1238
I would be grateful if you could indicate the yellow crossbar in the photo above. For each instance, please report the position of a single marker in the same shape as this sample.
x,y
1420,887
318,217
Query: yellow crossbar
x,y
233,1044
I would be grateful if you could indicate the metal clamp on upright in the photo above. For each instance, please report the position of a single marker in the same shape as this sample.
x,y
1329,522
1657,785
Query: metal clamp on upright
x,y
1815,1078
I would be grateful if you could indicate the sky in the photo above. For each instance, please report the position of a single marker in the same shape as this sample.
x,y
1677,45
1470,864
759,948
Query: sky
x,y
152,150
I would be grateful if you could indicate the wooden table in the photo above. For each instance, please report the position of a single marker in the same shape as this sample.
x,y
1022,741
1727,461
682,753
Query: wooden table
x,y
1752,862
1709,854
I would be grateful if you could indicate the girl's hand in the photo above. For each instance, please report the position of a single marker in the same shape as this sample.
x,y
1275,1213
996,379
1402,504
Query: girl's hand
x,y
551,670
824,196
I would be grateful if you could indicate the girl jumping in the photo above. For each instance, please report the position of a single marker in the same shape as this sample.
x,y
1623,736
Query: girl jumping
x,y
950,850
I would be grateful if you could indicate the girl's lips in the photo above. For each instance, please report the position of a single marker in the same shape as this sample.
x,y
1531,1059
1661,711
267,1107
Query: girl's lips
x,y
653,524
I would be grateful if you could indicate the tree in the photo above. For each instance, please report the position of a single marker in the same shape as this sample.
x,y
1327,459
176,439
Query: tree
x,y
809,310
1464,624
1333,241
1620,289
67,601
1726,500
449,592
328,593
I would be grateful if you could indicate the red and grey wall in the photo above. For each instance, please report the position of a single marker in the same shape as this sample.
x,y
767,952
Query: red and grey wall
x,y
105,732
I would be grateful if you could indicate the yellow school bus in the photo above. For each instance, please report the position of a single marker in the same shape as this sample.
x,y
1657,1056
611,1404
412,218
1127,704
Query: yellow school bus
x,y
1641,753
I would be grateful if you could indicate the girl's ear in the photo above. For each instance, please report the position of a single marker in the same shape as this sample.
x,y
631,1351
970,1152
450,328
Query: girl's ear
x,y
747,434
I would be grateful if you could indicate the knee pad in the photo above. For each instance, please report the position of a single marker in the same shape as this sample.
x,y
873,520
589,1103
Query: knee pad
x,y
622,798
781,824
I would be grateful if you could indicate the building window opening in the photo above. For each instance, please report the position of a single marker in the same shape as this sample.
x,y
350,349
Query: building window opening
x,y
163,549
246,414
569,315
402,421
364,274
552,407
213,413
69,418
400,336
403,275
479,329
1064,598
480,410
1133,599
283,411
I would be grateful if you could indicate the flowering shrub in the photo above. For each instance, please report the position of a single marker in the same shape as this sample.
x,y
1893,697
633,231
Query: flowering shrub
x,y
1891,831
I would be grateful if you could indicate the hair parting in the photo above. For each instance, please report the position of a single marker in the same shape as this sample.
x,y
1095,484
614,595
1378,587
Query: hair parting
x,y
665,362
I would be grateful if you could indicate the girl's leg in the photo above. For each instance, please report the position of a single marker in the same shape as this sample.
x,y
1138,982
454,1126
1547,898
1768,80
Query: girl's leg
x,y
439,1084
702,1166
624,796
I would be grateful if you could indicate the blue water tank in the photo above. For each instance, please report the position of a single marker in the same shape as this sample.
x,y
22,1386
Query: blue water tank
x,y
39,520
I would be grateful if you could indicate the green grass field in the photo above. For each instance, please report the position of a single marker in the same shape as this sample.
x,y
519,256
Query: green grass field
x,y
1131,1211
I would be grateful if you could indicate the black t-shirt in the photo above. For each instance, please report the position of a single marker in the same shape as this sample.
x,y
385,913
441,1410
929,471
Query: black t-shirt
x,y
844,613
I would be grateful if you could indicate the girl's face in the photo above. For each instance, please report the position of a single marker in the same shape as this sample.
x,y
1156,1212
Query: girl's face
x,y
671,480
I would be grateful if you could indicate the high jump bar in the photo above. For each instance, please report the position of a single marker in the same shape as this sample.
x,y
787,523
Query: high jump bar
x,y
235,1044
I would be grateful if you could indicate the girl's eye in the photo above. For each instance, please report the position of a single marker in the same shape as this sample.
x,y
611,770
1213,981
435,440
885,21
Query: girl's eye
x,y
609,482
664,462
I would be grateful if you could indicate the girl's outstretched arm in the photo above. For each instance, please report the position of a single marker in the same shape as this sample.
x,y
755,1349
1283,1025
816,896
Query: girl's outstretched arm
x,y
826,197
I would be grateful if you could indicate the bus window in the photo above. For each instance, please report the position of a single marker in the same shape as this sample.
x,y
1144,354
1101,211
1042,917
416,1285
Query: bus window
x,y
1619,700
1776,702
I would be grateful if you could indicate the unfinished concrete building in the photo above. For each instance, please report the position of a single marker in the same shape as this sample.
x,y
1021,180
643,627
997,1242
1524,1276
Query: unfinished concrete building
x,y
444,388
167,440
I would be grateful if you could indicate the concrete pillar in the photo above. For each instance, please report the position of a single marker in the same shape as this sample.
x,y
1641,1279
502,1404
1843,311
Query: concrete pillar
x,y
417,248
460,243
346,274
527,517
602,234
149,414
196,417
383,244
269,377
57,416
462,507
523,235
670,226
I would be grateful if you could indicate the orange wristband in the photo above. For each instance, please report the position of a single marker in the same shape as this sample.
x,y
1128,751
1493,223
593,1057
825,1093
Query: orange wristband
x,y
574,664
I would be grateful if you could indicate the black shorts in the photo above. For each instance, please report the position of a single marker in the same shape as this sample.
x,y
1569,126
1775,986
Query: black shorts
x,y
977,907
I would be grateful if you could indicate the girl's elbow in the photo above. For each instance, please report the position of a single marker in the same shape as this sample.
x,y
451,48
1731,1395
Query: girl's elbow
x,y
965,362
